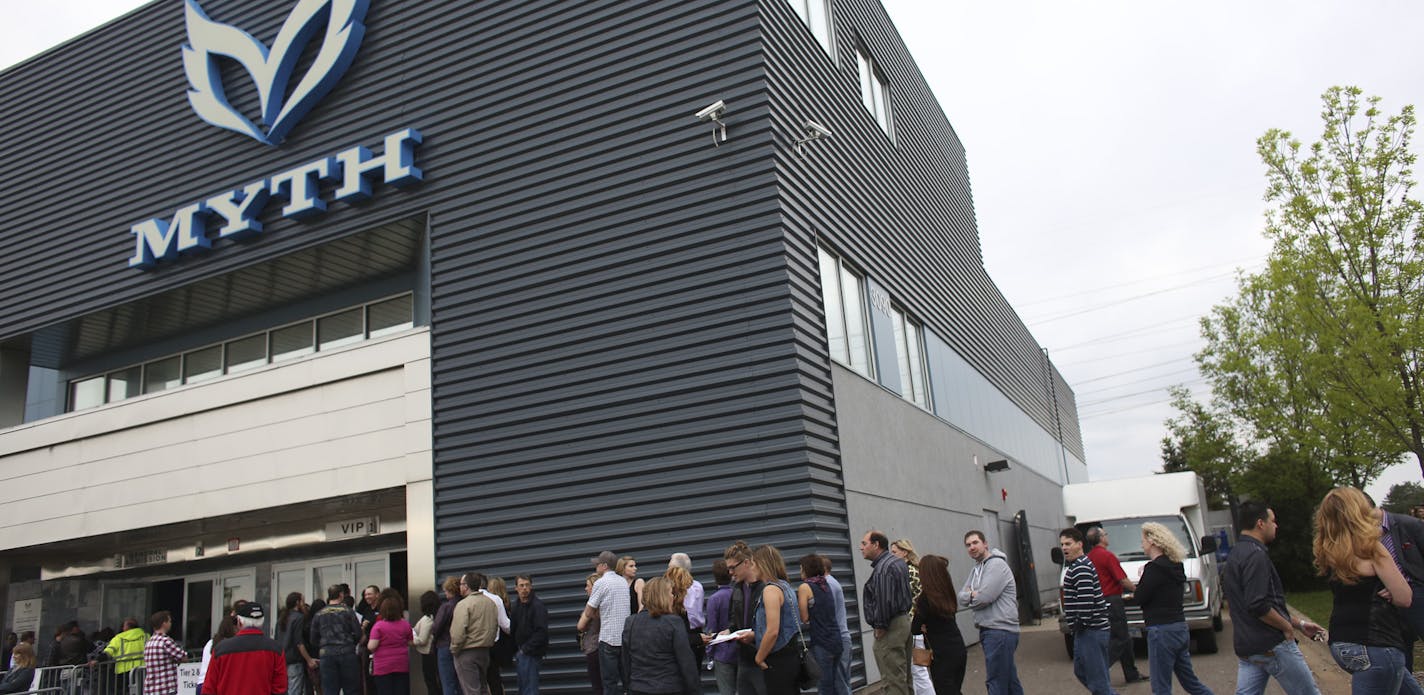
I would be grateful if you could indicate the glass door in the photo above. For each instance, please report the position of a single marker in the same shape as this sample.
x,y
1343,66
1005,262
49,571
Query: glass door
x,y
199,610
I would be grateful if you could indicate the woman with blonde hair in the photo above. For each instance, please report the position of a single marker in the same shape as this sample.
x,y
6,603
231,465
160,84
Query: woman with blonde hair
x,y
1159,593
919,674
1367,636
627,568
20,676
657,659
681,581
776,621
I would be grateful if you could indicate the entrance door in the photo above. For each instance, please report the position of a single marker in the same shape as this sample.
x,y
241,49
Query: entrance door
x,y
198,611
168,596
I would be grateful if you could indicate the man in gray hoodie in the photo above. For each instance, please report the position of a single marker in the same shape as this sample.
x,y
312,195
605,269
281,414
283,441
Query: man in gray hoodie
x,y
991,593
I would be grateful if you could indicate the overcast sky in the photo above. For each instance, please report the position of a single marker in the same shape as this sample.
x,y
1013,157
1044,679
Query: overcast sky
x,y
1112,153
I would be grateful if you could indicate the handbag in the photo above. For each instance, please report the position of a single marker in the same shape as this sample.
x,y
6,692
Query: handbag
x,y
808,673
922,656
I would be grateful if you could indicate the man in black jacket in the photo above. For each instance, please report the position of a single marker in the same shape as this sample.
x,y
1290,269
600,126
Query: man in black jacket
x,y
530,621
1403,537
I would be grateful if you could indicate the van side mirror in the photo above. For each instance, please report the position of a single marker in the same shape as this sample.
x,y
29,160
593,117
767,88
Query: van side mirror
x,y
1057,555
1208,545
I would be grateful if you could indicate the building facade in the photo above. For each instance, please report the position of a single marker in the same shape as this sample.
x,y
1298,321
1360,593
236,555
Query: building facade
x,y
305,292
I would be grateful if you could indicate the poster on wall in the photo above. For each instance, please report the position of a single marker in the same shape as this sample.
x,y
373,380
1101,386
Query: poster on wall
x,y
27,616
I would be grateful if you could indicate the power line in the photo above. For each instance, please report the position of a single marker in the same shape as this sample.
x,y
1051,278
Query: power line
x,y
1119,302
1138,393
1256,260
1132,353
1134,382
1143,330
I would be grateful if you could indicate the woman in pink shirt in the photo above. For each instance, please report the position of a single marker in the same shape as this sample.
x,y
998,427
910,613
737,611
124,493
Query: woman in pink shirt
x,y
390,649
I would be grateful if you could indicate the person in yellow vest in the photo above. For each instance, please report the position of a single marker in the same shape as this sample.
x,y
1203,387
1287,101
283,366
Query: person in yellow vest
x,y
126,649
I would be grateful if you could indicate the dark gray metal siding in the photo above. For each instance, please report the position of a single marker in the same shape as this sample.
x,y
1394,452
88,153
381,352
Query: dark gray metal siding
x,y
901,208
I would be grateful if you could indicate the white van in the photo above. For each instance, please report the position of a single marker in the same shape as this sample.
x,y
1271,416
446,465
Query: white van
x,y
1175,500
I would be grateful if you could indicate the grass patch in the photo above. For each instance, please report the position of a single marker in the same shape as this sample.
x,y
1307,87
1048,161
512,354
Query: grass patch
x,y
1316,605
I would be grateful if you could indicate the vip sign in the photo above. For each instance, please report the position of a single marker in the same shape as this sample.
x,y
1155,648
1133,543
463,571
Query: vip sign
x,y
272,70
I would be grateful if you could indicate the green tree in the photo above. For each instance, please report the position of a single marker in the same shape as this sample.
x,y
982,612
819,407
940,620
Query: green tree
x,y
1402,497
1205,441
1322,352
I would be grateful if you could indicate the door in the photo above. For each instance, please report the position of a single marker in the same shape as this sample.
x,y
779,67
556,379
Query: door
x,y
123,601
198,611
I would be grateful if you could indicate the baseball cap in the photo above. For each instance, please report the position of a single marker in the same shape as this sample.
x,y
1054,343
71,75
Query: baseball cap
x,y
251,609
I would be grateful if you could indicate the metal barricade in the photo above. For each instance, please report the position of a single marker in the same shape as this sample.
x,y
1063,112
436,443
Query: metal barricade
x,y
55,680
121,677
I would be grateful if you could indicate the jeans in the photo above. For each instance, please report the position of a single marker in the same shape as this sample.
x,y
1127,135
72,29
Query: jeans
x,y
843,682
1167,654
1414,618
527,669
595,674
1284,662
610,666
726,675
1090,660
1120,640
340,674
1001,675
1374,669
828,660
296,679
449,682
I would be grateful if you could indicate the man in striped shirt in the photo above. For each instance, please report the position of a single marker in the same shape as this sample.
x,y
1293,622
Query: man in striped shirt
x,y
1086,612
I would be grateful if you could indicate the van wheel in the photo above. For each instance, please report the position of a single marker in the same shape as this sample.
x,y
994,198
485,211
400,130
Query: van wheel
x,y
1206,641
1068,644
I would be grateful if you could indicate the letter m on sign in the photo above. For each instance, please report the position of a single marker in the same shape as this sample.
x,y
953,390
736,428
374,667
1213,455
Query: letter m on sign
x,y
156,239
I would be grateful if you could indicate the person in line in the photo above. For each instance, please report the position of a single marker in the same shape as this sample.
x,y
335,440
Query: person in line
x,y
1159,593
474,627
588,641
627,568
26,637
778,654
1113,580
919,675
502,653
22,670
1366,642
161,656
656,655
886,602
842,680
1403,536
249,663
530,620
610,603
11,639
336,629
440,628
1262,631
290,631
389,644
368,608
696,595
746,591
818,611
934,618
227,627
423,640
991,593
126,650
719,605
1086,613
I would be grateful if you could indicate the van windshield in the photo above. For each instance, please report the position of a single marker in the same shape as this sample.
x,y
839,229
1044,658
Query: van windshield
x,y
1125,535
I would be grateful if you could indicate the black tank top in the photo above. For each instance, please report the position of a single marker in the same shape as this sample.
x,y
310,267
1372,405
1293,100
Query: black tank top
x,y
1361,616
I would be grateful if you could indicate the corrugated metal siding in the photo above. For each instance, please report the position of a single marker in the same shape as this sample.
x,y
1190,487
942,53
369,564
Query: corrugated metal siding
x,y
902,209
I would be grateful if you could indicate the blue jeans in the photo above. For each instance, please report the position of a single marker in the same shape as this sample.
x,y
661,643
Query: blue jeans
x,y
843,666
1284,662
828,660
449,682
1167,653
1374,669
610,666
1001,675
526,668
340,674
1090,660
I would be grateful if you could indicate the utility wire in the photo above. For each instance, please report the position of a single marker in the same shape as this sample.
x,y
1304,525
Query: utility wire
x,y
1142,330
1254,261
1119,302
1132,353
1135,382
1138,393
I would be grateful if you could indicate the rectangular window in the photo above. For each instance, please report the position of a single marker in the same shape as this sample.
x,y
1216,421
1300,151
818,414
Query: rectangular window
x,y
873,92
817,16
86,393
246,353
204,364
390,316
163,374
292,341
843,297
909,357
125,383
340,329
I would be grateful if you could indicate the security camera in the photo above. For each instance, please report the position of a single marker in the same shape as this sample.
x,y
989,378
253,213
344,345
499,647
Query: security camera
x,y
816,130
712,112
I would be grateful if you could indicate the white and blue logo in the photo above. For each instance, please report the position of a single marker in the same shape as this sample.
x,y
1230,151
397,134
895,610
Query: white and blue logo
x,y
271,69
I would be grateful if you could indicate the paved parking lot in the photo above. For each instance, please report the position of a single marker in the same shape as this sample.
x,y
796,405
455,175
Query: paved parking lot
x,y
1044,667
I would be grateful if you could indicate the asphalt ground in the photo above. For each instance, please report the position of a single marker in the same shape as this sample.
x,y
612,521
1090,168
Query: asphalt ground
x,y
1045,669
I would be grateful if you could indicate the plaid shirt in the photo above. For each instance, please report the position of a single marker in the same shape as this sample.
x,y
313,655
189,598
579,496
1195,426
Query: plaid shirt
x,y
161,656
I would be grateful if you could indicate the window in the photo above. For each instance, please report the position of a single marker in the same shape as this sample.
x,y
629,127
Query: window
x,y
348,326
843,297
909,356
817,15
872,89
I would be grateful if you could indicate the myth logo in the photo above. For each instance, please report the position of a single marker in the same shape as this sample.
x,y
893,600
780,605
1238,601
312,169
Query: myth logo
x,y
271,69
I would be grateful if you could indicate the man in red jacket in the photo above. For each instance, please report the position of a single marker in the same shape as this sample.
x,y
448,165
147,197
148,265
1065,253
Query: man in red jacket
x,y
249,663
1113,580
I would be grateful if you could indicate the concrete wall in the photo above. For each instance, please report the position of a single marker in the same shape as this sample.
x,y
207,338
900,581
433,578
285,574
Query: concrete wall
x,y
351,420
911,475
